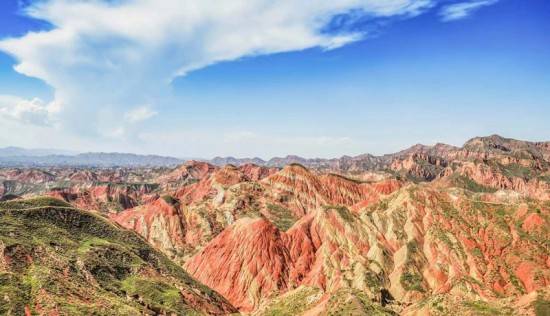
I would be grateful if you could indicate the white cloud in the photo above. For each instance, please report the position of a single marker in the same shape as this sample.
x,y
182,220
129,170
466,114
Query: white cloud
x,y
461,10
139,114
33,111
103,57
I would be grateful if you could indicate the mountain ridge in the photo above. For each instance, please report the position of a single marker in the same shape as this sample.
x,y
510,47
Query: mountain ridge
x,y
16,156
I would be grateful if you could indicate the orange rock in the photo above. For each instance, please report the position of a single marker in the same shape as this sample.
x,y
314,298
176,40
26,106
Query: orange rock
x,y
532,222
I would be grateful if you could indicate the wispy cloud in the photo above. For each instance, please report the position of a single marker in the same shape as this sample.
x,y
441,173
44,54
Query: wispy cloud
x,y
103,57
462,10
139,114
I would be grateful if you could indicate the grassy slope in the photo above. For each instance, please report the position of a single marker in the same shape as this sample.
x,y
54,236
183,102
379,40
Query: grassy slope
x,y
55,258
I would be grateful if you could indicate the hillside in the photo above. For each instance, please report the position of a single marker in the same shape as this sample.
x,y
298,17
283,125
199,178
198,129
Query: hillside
x,y
55,259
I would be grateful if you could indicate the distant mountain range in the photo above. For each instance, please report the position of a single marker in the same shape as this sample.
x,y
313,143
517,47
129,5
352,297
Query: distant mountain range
x,y
37,152
371,162
20,157
360,162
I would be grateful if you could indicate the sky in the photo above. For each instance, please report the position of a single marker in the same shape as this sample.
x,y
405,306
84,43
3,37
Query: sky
x,y
265,78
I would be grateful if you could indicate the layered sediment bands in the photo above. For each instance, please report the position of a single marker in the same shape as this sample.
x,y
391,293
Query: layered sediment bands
x,y
256,173
327,249
107,198
160,222
301,190
187,173
255,263
417,243
511,176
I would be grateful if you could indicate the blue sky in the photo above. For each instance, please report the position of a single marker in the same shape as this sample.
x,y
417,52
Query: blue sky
x,y
318,80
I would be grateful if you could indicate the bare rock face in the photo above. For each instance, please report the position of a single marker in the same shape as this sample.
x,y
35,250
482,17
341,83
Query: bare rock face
x,y
301,190
255,263
108,198
160,222
416,244
187,173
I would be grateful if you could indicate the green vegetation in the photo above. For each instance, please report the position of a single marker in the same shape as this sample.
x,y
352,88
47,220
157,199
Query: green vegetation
x,y
170,199
354,302
515,280
293,303
157,295
412,281
467,183
343,212
436,304
515,171
374,281
16,292
542,307
81,264
477,252
455,246
89,244
382,205
281,216
37,202
483,308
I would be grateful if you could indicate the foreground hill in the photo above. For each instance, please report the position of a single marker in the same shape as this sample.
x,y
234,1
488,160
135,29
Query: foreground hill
x,y
55,259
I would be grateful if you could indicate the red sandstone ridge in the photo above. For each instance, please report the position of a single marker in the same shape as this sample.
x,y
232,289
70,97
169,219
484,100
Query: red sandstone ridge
x,y
226,194
260,260
160,222
257,173
255,263
108,198
301,190
187,173
414,244
29,175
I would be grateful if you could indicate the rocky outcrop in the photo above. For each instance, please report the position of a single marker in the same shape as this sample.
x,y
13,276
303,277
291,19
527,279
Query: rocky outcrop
x,y
255,260
106,198
160,222
189,172
300,190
